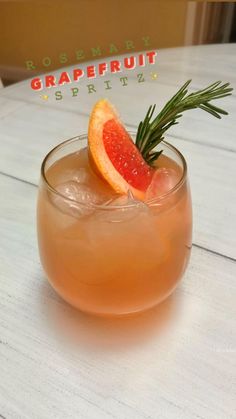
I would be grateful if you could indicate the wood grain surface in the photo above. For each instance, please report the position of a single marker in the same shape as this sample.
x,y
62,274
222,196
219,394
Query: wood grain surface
x,y
175,362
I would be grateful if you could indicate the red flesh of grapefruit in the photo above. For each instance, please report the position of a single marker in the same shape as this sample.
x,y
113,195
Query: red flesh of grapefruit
x,y
114,154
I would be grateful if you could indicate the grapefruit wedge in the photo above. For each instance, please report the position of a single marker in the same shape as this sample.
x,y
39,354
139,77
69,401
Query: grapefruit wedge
x,y
114,154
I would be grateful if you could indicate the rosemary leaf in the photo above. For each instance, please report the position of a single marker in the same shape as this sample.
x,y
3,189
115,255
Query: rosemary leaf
x,y
151,133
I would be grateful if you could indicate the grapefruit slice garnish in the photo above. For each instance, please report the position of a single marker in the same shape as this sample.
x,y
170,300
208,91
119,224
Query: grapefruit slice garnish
x,y
114,154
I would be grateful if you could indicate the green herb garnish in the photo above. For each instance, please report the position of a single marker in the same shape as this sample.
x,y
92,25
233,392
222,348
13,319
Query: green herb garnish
x,y
151,133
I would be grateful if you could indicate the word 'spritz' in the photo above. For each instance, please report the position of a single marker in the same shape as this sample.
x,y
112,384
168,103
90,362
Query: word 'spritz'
x,y
91,88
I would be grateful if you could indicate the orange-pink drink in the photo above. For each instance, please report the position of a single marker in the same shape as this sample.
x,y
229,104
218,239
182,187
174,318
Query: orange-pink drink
x,y
111,254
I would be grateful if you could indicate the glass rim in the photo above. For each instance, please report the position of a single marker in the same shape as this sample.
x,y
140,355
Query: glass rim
x,y
107,205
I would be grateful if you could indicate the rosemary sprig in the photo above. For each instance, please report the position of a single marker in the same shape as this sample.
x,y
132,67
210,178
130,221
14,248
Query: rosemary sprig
x,y
151,133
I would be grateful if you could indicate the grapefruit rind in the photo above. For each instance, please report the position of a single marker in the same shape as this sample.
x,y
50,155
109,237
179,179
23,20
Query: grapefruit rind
x,y
102,112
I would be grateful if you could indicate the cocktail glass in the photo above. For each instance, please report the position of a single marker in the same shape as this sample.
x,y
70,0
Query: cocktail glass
x,y
117,257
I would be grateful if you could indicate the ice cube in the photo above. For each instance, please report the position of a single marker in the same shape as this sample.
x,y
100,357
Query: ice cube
x,y
118,227
162,182
122,208
76,175
76,199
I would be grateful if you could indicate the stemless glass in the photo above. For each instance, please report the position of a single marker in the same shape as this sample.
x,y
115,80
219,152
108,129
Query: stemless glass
x,y
113,259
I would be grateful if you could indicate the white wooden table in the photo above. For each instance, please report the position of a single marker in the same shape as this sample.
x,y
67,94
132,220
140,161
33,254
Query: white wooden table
x,y
176,362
